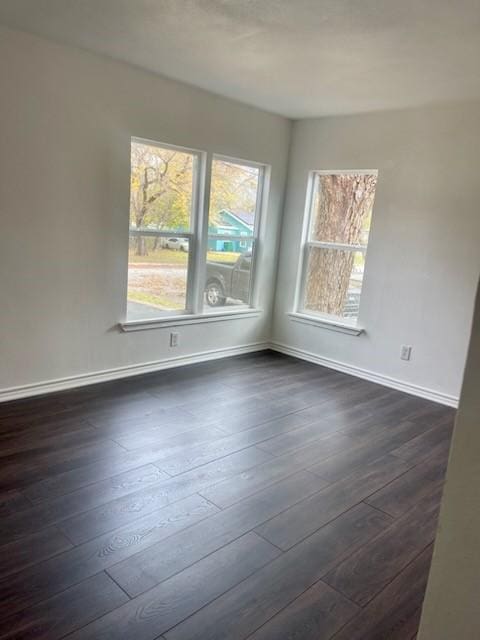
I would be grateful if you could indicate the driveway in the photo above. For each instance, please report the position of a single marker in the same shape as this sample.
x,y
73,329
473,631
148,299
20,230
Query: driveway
x,y
165,284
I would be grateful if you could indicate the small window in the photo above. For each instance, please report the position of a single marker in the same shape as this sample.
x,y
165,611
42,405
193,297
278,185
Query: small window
x,y
163,195
339,211
233,221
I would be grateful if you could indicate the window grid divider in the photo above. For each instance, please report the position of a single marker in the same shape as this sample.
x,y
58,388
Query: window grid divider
x,y
337,246
161,234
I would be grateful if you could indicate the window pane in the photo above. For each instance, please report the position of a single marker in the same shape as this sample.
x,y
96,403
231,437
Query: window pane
x,y
334,282
342,208
233,198
229,266
161,188
157,277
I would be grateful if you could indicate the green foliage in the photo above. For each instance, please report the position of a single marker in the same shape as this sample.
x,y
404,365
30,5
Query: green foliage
x,y
160,188
233,187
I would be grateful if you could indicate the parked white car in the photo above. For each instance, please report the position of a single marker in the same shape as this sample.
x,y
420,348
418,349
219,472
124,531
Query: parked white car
x,y
177,244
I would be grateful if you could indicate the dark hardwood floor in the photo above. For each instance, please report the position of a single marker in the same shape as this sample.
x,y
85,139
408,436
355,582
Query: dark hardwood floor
x,y
257,497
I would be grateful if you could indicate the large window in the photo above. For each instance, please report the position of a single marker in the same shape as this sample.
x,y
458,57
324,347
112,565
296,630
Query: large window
x,y
339,213
180,261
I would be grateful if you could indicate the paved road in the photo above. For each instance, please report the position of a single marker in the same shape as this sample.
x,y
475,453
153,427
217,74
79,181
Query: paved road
x,y
140,311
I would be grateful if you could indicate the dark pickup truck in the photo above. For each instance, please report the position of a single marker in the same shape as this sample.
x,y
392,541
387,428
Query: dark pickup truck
x,y
228,281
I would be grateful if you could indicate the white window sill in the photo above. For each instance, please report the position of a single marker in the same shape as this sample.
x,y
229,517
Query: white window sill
x,y
180,320
327,323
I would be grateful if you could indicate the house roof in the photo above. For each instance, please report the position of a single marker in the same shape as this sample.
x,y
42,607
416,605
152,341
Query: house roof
x,y
245,217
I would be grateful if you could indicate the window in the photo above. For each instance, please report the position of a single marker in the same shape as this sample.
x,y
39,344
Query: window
x,y
163,220
180,262
339,212
233,216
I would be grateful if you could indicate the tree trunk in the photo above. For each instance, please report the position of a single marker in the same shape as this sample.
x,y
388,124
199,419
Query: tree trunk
x,y
341,208
140,246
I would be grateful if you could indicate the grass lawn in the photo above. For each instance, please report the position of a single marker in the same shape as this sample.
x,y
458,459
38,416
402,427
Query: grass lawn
x,y
222,256
170,256
153,299
163,256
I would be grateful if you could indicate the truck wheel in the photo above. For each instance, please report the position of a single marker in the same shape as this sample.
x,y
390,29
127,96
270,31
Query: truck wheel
x,y
214,294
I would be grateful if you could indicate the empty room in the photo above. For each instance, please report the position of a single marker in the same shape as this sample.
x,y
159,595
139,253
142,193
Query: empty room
x,y
239,324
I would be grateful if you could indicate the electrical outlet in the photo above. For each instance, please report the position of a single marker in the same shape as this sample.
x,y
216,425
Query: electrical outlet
x,y
174,339
406,352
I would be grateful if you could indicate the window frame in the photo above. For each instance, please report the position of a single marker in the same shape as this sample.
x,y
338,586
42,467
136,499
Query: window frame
x,y
300,313
198,237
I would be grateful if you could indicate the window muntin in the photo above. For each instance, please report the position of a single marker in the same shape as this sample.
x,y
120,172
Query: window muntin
x,y
233,222
172,247
339,215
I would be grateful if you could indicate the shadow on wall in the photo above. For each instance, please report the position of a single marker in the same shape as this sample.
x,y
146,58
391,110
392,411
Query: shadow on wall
x,y
451,608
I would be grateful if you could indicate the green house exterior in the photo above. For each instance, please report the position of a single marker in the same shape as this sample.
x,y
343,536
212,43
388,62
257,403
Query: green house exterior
x,y
231,224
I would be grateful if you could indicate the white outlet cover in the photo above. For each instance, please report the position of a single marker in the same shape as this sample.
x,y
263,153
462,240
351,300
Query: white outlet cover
x,y
406,352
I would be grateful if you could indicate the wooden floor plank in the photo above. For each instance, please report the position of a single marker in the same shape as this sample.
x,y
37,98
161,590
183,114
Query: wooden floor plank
x,y
32,549
31,585
19,473
24,409
286,443
278,584
62,482
406,491
364,574
168,419
160,561
421,447
197,455
121,511
72,609
171,444
299,521
272,410
317,613
27,521
32,444
392,615
234,489
364,450
161,608
12,502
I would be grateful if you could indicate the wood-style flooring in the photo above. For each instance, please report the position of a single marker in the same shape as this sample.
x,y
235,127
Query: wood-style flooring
x,y
256,497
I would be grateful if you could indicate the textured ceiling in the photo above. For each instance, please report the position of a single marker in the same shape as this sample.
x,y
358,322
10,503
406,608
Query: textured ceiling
x,y
299,58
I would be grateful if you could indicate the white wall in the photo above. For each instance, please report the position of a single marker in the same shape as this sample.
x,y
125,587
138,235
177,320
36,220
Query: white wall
x,y
450,611
424,253
66,117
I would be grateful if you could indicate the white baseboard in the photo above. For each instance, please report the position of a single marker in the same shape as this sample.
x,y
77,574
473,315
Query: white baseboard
x,y
387,381
84,379
61,384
